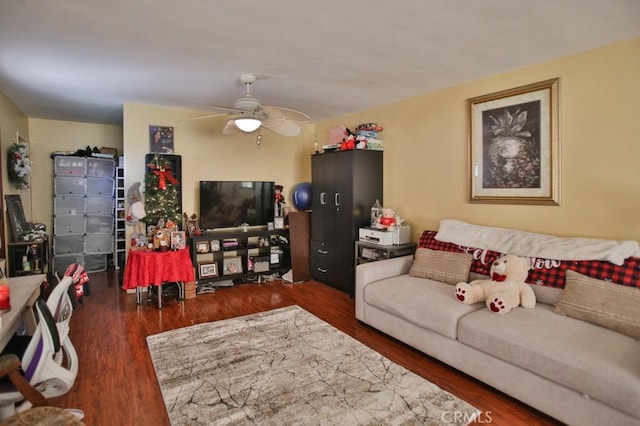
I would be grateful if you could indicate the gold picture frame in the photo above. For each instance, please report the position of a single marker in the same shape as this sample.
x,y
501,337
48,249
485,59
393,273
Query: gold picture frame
x,y
514,145
202,247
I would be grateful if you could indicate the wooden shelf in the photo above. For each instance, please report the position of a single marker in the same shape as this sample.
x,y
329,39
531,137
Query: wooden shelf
x,y
252,244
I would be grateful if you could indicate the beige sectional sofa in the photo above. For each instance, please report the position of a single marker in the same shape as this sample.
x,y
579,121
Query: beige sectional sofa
x,y
573,370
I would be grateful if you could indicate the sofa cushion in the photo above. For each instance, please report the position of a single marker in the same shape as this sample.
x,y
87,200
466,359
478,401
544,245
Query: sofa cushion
x,y
442,266
602,303
427,303
589,359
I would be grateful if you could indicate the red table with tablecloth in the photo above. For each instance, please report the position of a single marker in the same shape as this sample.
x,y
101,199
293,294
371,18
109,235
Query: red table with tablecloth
x,y
146,267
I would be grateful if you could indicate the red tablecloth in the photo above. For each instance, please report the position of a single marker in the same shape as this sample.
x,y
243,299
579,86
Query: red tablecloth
x,y
144,268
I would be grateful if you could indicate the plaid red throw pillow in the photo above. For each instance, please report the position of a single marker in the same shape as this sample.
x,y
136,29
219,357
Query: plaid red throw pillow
x,y
546,272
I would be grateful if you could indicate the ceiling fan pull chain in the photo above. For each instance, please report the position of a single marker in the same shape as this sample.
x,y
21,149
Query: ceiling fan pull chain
x,y
259,141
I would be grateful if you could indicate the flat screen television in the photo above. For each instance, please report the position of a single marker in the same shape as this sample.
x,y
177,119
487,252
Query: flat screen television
x,y
226,204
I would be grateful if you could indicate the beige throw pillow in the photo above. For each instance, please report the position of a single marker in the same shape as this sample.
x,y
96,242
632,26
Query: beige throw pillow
x,y
442,266
599,302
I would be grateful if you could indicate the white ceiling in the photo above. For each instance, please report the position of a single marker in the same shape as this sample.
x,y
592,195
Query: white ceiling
x,y
80,60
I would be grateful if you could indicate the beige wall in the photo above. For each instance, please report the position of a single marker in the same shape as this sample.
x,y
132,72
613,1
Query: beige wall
x,y
207,154
48,136
12,122
425,164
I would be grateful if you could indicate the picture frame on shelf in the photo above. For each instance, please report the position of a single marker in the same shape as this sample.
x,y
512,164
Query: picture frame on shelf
x,y
278,222
253,241
202,247
208,270
215,245
232,265
16,216
192,227
178,240
514,153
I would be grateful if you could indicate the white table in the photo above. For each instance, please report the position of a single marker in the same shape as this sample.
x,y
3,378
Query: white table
x,y
24,292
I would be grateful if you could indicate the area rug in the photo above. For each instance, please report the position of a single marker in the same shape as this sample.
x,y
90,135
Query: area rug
x,y
287,366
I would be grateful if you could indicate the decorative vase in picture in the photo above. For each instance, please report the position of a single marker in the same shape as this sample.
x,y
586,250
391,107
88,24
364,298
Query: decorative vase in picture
x,y
19,167
512,152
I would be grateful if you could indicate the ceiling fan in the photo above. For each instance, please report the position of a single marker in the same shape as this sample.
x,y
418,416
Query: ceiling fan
x,y
248,114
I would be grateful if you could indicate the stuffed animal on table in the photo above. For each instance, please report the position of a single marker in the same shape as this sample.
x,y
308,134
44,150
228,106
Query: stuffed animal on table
x,y
161,239
505,290
387,220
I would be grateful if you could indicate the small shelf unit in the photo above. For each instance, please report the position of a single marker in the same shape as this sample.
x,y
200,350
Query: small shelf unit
x,y
370,252
120,249
236,255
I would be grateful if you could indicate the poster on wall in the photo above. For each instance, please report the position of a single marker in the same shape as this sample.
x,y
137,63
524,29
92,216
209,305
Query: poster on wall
x,y
161,139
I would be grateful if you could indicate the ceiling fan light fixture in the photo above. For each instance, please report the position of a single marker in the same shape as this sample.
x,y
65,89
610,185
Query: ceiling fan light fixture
x,y
247,124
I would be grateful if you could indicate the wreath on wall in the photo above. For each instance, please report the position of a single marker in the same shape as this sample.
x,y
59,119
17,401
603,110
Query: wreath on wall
x,y
19,166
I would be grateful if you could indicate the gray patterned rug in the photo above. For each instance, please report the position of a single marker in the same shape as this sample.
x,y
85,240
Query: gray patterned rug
x,y
287,366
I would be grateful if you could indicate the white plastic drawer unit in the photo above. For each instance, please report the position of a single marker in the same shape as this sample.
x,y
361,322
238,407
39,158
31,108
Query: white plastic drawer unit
x,y
65,206
68,225
98,225
99,187
70,166
100,167
66,186
99,206
98,243
95,262
61,263
68,244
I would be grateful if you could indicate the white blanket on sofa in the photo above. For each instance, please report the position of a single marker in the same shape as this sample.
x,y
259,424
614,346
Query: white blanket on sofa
x,y
535,245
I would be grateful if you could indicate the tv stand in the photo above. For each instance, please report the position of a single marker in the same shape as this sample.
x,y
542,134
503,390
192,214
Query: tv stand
x,y
232,254
251,228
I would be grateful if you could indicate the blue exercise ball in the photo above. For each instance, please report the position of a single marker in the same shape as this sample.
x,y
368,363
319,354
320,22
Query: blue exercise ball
x,y
301,196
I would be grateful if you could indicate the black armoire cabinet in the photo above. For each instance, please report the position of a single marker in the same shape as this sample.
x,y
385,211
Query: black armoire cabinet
x,y
345,186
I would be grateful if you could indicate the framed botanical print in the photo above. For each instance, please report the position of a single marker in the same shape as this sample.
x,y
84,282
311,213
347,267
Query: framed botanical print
x,y
514,154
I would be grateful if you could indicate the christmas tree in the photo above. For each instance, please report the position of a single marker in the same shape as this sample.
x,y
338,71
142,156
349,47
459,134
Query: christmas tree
x,y
161,192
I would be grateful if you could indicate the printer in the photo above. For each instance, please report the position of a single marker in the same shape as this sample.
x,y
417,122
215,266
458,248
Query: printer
x,y
398,235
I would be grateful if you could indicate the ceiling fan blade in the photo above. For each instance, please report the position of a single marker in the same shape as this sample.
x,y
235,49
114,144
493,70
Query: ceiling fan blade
x,y
230,128
287,114
202,117
225,109
282,127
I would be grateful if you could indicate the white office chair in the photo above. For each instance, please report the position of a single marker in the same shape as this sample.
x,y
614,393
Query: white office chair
x,y
45,368
61,306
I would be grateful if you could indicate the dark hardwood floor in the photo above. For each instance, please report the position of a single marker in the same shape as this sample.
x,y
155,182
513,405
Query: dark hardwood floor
x,y
116,383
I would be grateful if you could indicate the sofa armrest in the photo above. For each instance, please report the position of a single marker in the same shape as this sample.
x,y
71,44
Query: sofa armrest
x,y
367,273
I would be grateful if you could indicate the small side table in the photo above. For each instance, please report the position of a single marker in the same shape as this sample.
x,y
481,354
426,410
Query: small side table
x,y
147,267
37,253
371,252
